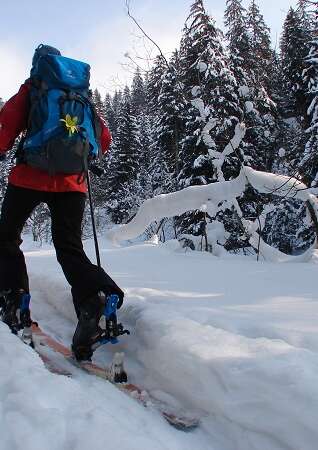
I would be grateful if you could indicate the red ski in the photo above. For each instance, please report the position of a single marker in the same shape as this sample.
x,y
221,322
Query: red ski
x,y
43,342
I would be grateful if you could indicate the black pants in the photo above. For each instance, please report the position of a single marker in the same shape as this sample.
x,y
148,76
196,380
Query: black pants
x,y
66,210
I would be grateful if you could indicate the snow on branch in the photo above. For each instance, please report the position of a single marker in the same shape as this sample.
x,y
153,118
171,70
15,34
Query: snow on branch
x,y
177,203
193,197
281,185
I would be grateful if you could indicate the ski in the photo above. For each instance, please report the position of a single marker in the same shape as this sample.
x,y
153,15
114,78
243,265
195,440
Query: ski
x,y
44,343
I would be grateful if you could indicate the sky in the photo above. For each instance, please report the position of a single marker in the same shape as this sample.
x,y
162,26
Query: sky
x,y
100,32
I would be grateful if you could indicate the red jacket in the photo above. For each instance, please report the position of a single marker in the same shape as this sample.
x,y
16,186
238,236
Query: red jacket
x,y
13,121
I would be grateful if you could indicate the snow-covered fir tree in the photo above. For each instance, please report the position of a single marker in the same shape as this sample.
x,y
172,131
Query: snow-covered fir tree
x,y
168,125
260,45
294,49
292,93
238,41
241,64
160,175
110,115
309,163
116,107
140,110
98,103
125,162
138,93
211,115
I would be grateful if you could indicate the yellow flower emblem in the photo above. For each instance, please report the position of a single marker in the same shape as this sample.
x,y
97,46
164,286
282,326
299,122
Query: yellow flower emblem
x,y
71,124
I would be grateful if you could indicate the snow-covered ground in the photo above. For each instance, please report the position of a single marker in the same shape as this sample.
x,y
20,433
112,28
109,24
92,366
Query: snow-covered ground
x,y
231,339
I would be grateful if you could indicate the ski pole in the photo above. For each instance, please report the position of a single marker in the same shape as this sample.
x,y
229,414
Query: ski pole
x,y
91,207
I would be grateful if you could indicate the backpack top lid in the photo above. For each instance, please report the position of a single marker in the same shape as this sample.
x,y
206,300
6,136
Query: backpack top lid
x,y
59,72
42,50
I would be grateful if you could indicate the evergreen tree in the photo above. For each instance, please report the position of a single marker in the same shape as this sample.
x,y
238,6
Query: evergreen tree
x,y
212,110
114,111
307,11
161,178
260,46
138,93
309,163
288,228
239,43
110,116
98,103
125,162
262,68
154,83
240,64
294,49
169,125
145,140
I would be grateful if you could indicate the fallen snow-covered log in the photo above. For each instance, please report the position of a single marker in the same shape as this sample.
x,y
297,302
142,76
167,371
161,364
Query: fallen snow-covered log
x,y
177,203
193,197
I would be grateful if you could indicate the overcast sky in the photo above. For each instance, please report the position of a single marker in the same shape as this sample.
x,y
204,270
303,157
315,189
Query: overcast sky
x,y
100,33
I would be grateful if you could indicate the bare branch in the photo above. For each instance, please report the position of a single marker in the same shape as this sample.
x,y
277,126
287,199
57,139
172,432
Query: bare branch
x,y
144,33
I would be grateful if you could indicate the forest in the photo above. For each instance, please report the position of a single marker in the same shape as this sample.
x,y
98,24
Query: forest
x,y
172,126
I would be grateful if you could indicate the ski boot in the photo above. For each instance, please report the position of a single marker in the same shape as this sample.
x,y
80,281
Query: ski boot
x,y
15,312
89,335
88,332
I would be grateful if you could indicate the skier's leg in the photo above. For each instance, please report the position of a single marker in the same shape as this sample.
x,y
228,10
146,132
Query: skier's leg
x,y
14,283
85,278
17,206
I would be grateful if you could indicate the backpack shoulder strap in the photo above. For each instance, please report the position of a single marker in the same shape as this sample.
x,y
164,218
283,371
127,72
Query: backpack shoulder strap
x,y
97,127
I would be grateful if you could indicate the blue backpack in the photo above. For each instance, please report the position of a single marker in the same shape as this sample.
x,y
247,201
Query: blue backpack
x,y
61,135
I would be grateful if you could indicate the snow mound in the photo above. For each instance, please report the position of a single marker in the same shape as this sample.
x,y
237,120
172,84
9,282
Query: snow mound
x,y
40,410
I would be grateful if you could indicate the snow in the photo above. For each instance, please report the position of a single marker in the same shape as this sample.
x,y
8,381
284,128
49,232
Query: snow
x,y
234,143
202,66
192,197
281,152
268,253
244,91
206,137
249,106
199,105
195,91
177,203
234,339
217,236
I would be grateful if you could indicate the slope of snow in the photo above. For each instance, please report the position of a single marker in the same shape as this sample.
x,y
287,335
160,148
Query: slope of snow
x,y
232,339
39,410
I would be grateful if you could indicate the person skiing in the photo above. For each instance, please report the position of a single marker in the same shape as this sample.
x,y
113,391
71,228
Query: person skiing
x,y
51,169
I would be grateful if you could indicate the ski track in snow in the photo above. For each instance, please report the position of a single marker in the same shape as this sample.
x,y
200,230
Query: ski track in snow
x,y
230,338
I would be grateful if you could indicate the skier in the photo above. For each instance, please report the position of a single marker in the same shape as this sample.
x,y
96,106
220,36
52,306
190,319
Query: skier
x,y
30,184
